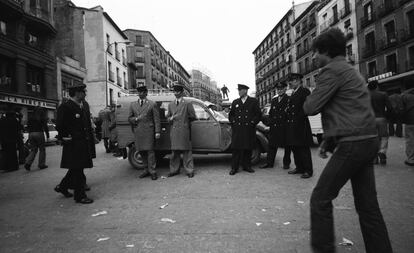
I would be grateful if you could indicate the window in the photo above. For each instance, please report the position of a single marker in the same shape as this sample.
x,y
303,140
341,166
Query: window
x,y
3,28
410,18
108,44
32,40
6,73
347,24
370,41
34,79
372,69
138,40
368,11
390,32
411,58
111,96
391,61
349,50
335,12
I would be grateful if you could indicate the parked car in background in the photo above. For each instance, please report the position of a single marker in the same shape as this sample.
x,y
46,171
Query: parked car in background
x,y
210,132
52,135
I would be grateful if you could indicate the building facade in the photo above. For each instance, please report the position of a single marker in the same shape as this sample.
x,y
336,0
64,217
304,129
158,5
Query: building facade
x,y
386,43
305,30
341,14
151,64
90,37
203,88
27,63
274,55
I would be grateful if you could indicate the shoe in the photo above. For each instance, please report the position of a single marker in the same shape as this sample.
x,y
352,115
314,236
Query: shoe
x,y
190,175
233,172
145,174
250,170
85,200
382,158
171,174
64,192
43,167
27,167
86,187
408,163
266,166
286,167
154,176
306,175
294,171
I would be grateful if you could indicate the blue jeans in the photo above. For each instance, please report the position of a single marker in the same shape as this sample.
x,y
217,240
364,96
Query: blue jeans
x,y
351,161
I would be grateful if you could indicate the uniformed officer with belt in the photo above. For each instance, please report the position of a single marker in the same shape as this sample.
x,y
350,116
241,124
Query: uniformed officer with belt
x,y
145,118
277,122
298,131
244,116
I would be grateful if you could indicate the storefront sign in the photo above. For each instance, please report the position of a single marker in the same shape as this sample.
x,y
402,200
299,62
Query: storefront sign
x,y
27,101
379,77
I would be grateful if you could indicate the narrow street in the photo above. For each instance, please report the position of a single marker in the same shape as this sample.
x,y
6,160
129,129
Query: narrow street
x,y
267,211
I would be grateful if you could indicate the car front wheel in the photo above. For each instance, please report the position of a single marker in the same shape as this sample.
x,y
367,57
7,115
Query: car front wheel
x,y
135,158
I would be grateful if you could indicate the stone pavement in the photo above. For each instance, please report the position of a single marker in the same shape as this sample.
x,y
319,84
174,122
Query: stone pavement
x,y
267,211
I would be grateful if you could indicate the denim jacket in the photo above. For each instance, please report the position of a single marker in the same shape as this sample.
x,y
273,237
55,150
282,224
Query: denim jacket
x,y
342,98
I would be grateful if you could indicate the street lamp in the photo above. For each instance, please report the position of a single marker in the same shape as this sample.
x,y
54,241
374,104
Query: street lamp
x,y
106,66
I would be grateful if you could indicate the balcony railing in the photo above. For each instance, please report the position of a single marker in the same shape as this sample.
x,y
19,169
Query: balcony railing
x,y
386,9
389,42
333,20
111,76
366,21
345,11
368,51
393,69
118,81
140,59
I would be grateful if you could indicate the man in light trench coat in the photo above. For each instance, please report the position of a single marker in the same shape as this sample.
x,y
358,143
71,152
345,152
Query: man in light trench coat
x,y
145,118
180,114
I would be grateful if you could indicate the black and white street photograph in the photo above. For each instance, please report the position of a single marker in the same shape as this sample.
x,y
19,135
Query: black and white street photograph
x,y
220,126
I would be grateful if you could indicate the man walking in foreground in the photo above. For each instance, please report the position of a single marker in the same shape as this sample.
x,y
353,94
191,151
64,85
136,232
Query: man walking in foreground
x,y
145,118
349,124
244,116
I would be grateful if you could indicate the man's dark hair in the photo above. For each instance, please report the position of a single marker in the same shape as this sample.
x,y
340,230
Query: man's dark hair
x,y
332,42
373,85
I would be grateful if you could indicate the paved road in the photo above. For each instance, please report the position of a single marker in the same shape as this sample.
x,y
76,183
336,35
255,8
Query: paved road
x,y
213,212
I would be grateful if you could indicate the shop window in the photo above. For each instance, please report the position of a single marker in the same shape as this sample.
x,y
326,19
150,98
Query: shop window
x,y
34,79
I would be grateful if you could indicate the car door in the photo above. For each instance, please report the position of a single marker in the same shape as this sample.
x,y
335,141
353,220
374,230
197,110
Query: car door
x,y
205,130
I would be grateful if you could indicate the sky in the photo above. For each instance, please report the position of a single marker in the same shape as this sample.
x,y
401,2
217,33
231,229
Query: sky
x,y
214,36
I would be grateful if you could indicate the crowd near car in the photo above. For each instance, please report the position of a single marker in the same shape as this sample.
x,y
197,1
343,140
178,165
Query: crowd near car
x,y
210,132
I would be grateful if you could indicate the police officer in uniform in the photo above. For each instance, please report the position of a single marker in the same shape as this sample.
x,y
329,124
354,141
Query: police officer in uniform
x,y
277,123
75,131
298,132
145,118
244,116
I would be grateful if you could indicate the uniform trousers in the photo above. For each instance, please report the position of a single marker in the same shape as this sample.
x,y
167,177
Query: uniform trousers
x,y
351,161
188,162
76,179
303,159
271,155
149,159
241,157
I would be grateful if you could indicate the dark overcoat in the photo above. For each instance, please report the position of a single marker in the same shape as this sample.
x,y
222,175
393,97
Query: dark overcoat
x,y
146,122
277,121
74,121
243,118
298,130
180,132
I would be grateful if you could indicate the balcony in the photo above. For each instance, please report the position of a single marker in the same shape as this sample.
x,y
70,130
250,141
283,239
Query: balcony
x,y
312,23
41,19
366,21
141,59
385,9
111,76
117,55
406,35
118,81
368,52
334,20
393,69
344,12
389,42
350,58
